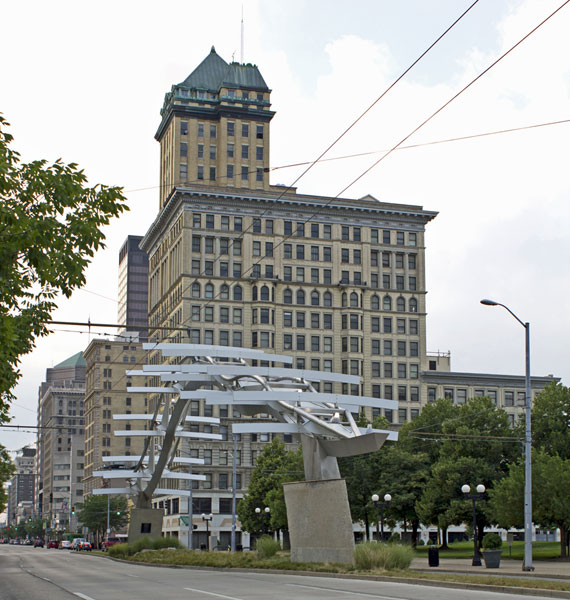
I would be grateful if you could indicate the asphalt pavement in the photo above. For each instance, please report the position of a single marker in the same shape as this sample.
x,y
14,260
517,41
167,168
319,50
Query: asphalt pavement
x,y
28,573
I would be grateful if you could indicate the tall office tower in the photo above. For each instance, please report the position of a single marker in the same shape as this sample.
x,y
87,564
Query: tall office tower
x,y
215,128
107,394
21,495
60,444
337,283
133,288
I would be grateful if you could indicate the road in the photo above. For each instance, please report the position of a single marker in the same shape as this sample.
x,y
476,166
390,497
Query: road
x,y
28,573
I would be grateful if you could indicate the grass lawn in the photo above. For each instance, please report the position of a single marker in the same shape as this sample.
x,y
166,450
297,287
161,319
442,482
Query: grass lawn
x,y
540,550
250,560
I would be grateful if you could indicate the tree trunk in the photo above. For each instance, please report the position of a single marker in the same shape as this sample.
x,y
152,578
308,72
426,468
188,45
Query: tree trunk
x,y
563,540
480,534
444,545
366,527
414,534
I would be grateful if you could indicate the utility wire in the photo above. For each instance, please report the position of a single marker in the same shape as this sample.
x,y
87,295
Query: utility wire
x,y
433,143
464,89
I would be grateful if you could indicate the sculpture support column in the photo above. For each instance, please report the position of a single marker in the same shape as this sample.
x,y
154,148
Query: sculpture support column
x,y
320,526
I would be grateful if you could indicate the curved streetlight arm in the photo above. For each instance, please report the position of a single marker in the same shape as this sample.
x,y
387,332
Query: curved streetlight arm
x,y
487,302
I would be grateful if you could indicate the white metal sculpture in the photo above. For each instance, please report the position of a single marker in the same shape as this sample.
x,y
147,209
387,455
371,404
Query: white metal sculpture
x,y
221,375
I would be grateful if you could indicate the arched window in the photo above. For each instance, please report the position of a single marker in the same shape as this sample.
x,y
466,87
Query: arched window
x,y
327,299
195,290
387,303
344,299
224,292
264,293
354,300
315,298
375,302
288,296
254,292
400,304
238,292
209,290
413,305
300,297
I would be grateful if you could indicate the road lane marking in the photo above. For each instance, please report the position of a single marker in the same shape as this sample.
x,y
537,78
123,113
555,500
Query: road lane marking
x,y
325,589
131,575
212,594
83,596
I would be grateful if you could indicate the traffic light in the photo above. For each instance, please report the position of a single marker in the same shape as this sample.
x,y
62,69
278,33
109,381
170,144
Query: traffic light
x,y
73,510
118,513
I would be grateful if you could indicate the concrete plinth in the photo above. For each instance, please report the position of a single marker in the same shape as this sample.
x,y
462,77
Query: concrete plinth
x,y
320,527
145,522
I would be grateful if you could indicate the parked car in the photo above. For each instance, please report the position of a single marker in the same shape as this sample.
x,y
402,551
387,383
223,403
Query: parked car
x,y
111,541
65,545
28,542
39,543
53,544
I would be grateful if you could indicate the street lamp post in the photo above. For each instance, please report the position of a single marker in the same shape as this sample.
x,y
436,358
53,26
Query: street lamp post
x,y
387,500
474,497
262,514
207,519
527,562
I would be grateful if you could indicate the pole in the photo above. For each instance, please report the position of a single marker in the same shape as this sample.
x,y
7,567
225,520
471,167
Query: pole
x,y
108,515
190,511
476,559
381,523
527,563
234,483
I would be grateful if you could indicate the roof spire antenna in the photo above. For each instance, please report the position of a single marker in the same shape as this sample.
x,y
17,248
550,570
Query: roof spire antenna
x,y
242,33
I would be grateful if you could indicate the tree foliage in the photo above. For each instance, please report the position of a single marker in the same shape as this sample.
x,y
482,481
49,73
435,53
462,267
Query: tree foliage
x,y
6,472
93,513
551,420
550,505
50,227
275,466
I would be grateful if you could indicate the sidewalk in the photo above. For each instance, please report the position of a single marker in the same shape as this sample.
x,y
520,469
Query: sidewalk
x,y
543,569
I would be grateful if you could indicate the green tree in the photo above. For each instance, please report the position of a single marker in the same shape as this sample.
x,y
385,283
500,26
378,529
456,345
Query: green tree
x,y
6,472
551,420
476,445
50,227
274,466
35,528
550,505
93,513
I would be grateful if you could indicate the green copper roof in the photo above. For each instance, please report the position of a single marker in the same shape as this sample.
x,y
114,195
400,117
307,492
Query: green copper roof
x,y
76,360
214,72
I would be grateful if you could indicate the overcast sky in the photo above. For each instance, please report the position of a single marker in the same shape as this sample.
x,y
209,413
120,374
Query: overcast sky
x,y
85,81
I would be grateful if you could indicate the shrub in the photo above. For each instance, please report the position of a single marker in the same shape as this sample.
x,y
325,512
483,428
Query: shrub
x,y
166,542
267,547
372,555
395,538
144,543
119,551
492,541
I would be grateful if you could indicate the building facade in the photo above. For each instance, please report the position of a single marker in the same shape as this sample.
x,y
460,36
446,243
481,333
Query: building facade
x,y
60,445
21,491
338,283
107,394
133,289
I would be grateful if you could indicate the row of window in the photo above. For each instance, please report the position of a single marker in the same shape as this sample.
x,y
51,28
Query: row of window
x,y
213,150
305,229
300,297
230,172
230,128
459,396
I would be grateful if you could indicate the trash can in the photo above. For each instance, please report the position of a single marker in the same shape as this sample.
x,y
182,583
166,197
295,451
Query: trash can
x,y
433,556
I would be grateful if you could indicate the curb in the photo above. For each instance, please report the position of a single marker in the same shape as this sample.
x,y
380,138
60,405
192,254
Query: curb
x,y
520,591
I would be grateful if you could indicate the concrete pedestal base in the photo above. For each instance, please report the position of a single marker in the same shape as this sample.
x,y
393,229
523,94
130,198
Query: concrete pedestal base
x,y
320,527
145,522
